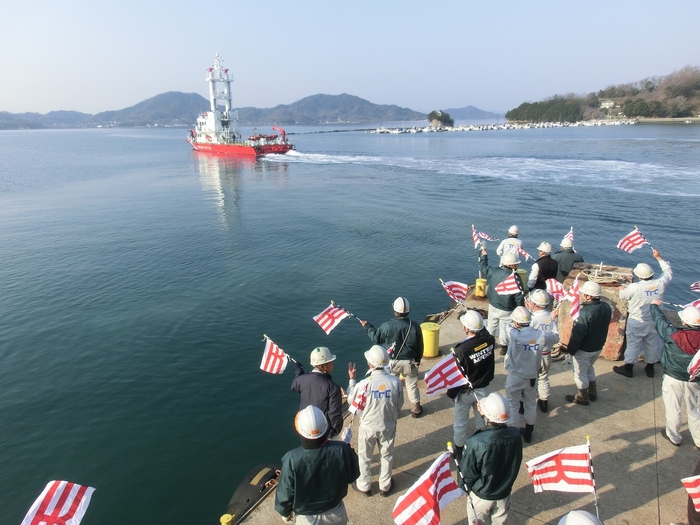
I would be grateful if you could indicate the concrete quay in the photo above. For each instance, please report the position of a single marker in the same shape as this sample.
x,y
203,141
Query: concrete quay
x,y
637,471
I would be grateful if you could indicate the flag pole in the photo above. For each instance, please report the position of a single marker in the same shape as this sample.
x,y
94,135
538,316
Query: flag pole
x,y
451,450
266,338
590,462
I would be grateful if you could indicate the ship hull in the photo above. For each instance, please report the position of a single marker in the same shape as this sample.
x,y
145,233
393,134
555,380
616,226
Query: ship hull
x,y
243,150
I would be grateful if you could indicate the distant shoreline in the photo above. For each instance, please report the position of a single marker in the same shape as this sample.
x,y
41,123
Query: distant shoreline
x,y
669,120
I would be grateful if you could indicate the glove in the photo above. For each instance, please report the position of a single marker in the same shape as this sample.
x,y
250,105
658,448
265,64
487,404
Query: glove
x,y
288,519
346,435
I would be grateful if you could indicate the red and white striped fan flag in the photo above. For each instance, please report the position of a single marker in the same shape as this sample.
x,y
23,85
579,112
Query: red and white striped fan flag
x,y
274,360
422,503
524,253
565,470
486,236
391,349
445,374
357,407
573,296
695,286
555,289
695,303
456,290
475,237
692,485
694,367
61,502
632,241
509,286
570,235
331,317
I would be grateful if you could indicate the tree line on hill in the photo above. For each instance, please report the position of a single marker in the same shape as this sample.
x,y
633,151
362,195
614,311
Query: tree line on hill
x,y
676,95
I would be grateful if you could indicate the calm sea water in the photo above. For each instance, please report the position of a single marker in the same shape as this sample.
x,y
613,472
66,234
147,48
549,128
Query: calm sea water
x,y
138,278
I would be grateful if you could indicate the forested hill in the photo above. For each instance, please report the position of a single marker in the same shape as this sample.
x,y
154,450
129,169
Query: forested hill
x,y
676,95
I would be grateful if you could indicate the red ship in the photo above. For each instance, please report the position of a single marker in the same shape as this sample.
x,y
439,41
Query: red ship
x,y
216,130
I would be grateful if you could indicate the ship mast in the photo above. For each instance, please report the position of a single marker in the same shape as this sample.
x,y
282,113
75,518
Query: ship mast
x,y
215,75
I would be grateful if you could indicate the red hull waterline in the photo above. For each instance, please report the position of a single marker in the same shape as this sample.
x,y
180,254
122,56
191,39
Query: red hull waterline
x,y
242,150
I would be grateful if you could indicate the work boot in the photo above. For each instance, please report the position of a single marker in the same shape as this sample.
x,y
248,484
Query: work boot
x,y
592,391
526,433
626,370
416,410
521,410
649,369
542,403
581,398
504,350
458,453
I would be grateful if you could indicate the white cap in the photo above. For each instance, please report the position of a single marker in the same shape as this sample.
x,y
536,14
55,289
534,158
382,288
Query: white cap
x,y
494,407
539,297
566,243
377,356
579,517
311,423
513,230
320,356
544,247
401,305
509,259
690,316
591,288
643,271
472,321
521,315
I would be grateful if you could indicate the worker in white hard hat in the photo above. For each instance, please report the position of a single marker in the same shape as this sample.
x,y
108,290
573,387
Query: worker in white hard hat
x,y
544,320
407,338
579,517
566,258
588,335
641,333
314,478
677,358
477,361
544,268
510,245
490,463
522,362
379,397
318,389
500,305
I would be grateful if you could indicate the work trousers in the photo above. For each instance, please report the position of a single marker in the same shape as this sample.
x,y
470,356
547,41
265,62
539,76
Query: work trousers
x,y
584,372
489,512
465,402
642,337
497,321
673,392
366,440
543,378
336,516
409,370
517,390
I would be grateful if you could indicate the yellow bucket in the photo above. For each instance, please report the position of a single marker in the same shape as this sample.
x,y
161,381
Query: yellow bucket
x,y
480,289
431,339
523,277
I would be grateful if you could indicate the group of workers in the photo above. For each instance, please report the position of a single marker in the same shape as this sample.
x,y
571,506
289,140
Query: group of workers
x,y
523,326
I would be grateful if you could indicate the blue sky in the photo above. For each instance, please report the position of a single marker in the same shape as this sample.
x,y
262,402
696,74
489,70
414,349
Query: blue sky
x,y
493,54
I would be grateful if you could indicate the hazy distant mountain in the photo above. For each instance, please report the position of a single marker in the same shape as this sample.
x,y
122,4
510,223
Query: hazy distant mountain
x,y
471,113
181,109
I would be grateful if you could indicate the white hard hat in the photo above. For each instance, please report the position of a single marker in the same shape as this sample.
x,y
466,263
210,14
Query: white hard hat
x,y
510,259
377,356
472,321
544,247
690,316
566,243
494,407
401,305
539,297
643,271
321,355
579,517
591,288
311,423
521,315
513,230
